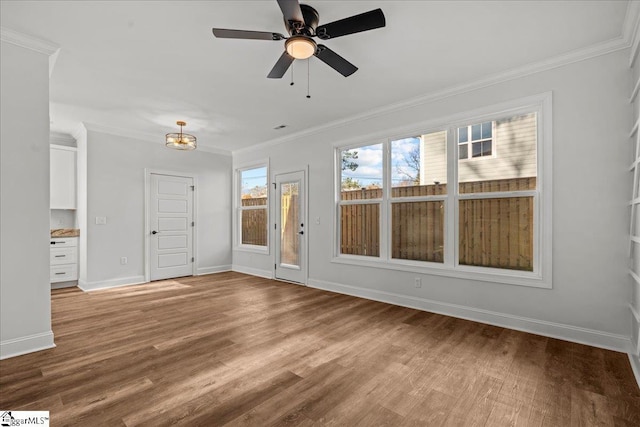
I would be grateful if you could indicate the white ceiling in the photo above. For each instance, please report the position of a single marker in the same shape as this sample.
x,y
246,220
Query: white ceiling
x,y
142,65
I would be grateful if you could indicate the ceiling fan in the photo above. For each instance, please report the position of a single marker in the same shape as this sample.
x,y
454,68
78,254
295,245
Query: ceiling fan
x,y
301,22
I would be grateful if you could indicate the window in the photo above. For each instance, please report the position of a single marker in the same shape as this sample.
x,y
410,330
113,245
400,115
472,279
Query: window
x,y
361,189
475,140
498,231
418,204
253,207
417,197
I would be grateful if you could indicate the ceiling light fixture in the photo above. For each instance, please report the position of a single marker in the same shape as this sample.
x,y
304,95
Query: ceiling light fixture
x,y
181,141
300,47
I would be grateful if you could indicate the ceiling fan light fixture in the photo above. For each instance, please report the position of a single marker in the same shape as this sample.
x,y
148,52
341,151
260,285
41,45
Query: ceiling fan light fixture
x,y
300,47
181,141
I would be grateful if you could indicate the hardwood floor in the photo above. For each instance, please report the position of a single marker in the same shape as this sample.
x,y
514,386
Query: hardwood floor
x,y
236,350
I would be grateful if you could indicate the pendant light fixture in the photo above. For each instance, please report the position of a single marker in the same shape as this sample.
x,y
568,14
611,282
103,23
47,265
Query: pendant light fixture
x,y
181,141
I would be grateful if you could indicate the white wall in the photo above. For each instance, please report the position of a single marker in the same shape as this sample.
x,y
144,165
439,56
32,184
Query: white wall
x,y
115,189
25,307
591,121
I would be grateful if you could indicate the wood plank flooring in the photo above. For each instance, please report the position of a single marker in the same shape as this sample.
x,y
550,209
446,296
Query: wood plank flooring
x,y
236,350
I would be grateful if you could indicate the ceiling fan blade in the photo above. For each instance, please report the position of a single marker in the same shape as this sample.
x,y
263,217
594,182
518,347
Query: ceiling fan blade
x,y
335,61
354,24
281,67
224,33
291,10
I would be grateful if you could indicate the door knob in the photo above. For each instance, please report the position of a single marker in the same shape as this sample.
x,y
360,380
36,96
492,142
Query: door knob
x,y
154,232
301,232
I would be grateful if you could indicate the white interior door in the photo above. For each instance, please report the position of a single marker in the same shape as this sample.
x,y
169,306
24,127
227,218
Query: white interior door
x,y
291,227
171,226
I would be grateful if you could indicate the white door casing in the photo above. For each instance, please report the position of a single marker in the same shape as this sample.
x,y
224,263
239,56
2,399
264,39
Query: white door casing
x,y
291,228
171,221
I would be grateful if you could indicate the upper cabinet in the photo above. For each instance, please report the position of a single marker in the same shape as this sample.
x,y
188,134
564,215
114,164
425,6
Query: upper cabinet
x,y
63,177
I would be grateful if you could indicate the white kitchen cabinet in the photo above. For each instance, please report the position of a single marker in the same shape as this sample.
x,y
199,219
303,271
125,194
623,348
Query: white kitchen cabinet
x,y
63,259
63,177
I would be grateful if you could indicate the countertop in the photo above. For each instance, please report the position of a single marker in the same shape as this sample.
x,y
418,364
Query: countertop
x,y
65,232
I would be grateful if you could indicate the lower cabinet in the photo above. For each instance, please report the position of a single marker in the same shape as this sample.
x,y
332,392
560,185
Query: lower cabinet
x,y
63,259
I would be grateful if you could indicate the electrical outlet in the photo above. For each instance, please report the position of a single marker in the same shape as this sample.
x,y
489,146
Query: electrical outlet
x,y
317,220
124,260
417,282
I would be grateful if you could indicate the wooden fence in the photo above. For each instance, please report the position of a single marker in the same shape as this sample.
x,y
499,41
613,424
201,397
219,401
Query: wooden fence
x,y
290,241
254,222
493,232
497,233
254,226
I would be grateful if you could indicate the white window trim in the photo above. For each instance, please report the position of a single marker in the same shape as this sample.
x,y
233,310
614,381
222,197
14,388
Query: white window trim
x,y
541,277
237,207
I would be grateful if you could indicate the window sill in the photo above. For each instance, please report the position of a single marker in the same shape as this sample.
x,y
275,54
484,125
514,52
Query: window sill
x,y
484,274
252,248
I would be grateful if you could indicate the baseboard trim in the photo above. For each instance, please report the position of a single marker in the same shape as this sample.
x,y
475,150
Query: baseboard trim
x,y
635,366
252,271
539,327
211,270
113,283
62,285
24,345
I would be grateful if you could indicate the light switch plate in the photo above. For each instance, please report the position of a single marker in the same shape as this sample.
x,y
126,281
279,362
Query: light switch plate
x,y
101,220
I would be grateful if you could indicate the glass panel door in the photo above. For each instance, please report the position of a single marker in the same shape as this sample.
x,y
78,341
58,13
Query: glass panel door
x,y
290,228
290,220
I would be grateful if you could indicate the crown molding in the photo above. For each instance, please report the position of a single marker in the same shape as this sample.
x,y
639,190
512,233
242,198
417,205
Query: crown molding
x,y
122,132
60,138
33,43
147,137
558,61
80,133
631,29
29,42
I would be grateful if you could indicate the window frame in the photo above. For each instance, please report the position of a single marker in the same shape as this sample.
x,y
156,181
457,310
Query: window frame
x,y
541,276
237,229
390,200
379,202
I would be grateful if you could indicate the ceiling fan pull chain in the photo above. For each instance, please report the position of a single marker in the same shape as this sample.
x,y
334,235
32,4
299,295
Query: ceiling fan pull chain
x,y
291,84
308,77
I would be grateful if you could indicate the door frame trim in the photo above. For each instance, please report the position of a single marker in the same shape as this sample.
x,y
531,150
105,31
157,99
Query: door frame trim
x,y
275,204
147,230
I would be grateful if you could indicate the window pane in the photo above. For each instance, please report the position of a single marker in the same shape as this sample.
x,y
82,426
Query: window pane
x,y
486,148
361,175
254,227
419,165
253,185
360,229
289,223
497,233
486,130
475,132
463,151
418,231
463,134
476,149
513,165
